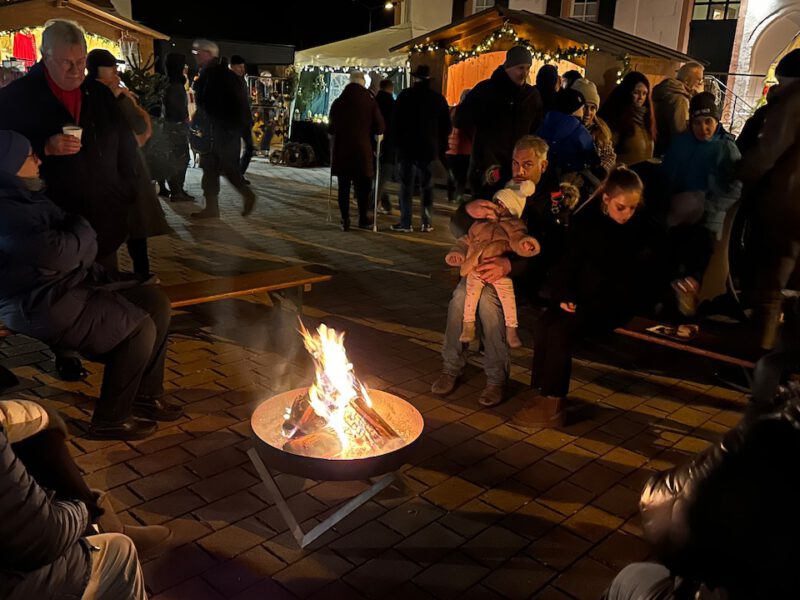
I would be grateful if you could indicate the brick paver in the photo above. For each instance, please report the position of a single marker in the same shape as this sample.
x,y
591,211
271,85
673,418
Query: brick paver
x,y
486,510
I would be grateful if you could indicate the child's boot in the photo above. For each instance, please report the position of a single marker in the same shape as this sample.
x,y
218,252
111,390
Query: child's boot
x,y
467,332
512,338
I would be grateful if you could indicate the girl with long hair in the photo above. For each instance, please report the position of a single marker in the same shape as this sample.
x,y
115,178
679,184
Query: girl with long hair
x,y
629,113
598,286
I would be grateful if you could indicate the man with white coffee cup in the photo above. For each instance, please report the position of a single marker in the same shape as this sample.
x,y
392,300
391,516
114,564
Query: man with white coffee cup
x,y
76,128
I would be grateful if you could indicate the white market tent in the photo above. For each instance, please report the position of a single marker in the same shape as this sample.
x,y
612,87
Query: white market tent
x,y
364,51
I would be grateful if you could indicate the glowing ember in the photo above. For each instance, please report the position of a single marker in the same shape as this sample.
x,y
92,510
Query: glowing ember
x,y
335,418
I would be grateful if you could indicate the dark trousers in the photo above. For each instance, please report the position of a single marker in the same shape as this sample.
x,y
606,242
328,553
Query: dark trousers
x,y
134,369
249,149
363,185
179,160
412,171
137,250
387,167
223,160
554,336
457,167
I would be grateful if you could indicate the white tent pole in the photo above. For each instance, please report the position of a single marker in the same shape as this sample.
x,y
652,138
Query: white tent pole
x,y
379,137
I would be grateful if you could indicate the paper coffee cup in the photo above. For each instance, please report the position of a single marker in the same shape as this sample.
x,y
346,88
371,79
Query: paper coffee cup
x,y
73,130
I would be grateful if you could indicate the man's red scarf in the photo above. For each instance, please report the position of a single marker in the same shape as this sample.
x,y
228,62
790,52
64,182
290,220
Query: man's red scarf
x,y
70,99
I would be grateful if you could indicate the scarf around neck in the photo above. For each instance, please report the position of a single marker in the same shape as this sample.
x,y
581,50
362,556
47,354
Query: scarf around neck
x,y
70,99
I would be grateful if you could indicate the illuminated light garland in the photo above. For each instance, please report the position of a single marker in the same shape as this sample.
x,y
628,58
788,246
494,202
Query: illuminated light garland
x,y
624,69
506,31
382,70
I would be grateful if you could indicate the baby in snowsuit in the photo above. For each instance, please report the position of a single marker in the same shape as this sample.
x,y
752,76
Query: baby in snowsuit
x,y
488,239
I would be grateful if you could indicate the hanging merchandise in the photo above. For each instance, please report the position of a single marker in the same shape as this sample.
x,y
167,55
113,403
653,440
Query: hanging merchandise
x,y
25,47
508,32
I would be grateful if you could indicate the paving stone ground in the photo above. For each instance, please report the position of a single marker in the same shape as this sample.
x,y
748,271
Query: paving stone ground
x,y
487,510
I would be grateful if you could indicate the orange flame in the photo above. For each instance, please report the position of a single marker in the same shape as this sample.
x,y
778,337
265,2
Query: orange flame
x,y
334,388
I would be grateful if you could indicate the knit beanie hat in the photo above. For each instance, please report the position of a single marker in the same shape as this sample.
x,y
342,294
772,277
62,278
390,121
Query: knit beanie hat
x,y
703,104
569,100
789,65
588,89
14,150
518,55
514,196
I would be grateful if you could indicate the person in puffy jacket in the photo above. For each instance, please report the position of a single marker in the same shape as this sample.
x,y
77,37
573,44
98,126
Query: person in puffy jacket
x,y
724,525
571,145
51,290
504,233
671,103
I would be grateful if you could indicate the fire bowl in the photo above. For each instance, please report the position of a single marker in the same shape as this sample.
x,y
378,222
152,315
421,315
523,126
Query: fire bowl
x,y
268,419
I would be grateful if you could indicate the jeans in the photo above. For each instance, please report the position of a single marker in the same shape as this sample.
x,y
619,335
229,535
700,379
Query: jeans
x,y
410,170
115,570
493,335
223,160
134,369
363,185
641,581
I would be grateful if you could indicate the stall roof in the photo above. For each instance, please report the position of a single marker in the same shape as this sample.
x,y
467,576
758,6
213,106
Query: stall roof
x,y
98,13
370,50
580,32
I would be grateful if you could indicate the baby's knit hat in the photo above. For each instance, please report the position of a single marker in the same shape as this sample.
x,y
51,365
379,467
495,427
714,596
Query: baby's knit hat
x,y
514,196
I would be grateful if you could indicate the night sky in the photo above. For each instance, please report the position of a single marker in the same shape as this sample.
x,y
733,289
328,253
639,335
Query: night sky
x,y
302,23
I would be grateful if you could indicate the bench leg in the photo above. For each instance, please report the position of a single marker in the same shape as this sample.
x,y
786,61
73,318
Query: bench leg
x,y
291,299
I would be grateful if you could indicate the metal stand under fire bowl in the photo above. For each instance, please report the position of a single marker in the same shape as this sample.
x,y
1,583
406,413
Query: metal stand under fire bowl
x,y
268,450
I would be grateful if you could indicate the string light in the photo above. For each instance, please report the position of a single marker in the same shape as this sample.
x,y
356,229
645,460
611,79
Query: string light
x,y
382,70
625,68
506,31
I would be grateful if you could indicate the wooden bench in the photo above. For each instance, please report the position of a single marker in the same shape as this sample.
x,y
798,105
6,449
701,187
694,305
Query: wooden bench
x,y
298,278
706,343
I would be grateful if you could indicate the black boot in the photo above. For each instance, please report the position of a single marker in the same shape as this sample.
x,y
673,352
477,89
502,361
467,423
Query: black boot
x,y
70,368
130,429
156,409
7,379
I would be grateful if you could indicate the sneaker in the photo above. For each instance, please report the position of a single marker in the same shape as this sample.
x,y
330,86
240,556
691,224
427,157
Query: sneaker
x,y
397,227
492,394
540,411
444,385
384,211
426,228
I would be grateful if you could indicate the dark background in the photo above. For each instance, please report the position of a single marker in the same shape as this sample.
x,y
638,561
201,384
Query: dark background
x,y
302,23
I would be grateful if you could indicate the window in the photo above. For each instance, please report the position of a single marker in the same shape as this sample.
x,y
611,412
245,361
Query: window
x,y
710,10
483,5
586,10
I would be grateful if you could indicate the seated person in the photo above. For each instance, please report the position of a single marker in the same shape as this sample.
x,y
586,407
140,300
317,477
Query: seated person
x,y
500,234
529,163
723,525
57,537
51,290
699,168
596,287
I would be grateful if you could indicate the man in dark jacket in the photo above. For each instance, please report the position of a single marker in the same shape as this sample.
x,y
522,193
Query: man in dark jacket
x,y
44,548
769,171
529,163
51,290
354,121
386,104
671,103
422,124
496,113
93,175
239,67
220,100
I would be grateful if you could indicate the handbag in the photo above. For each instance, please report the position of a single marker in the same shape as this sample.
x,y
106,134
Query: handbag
x,y
201,132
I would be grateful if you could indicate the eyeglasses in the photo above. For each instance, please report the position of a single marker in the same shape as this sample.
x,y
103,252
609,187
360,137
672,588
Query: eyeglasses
x,y
68,65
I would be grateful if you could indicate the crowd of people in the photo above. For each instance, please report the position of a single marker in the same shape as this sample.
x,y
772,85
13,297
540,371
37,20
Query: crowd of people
x,y
594,211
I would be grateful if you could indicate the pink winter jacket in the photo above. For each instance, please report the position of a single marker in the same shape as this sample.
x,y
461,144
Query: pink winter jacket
x,y
487,239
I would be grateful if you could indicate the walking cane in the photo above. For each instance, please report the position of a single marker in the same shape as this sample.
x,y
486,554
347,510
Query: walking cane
x,y
331,140
378,137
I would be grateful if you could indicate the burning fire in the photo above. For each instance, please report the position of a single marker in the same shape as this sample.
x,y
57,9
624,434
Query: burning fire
x,y
336,402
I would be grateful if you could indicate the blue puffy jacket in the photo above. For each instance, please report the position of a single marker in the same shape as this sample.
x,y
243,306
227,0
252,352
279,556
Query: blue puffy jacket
x,y
571,145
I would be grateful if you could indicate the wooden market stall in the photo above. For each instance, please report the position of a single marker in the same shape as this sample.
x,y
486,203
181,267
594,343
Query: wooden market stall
x,y
22,23
467,51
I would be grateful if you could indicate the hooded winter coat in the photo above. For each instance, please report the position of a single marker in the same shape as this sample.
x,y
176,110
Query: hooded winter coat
x,y
709,166
488,239
571,145
354,120
495,114
671,105
99,182
50,289
42,553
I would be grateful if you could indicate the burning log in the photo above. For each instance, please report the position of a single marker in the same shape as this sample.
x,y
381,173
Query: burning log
x,y
377,422
321,443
